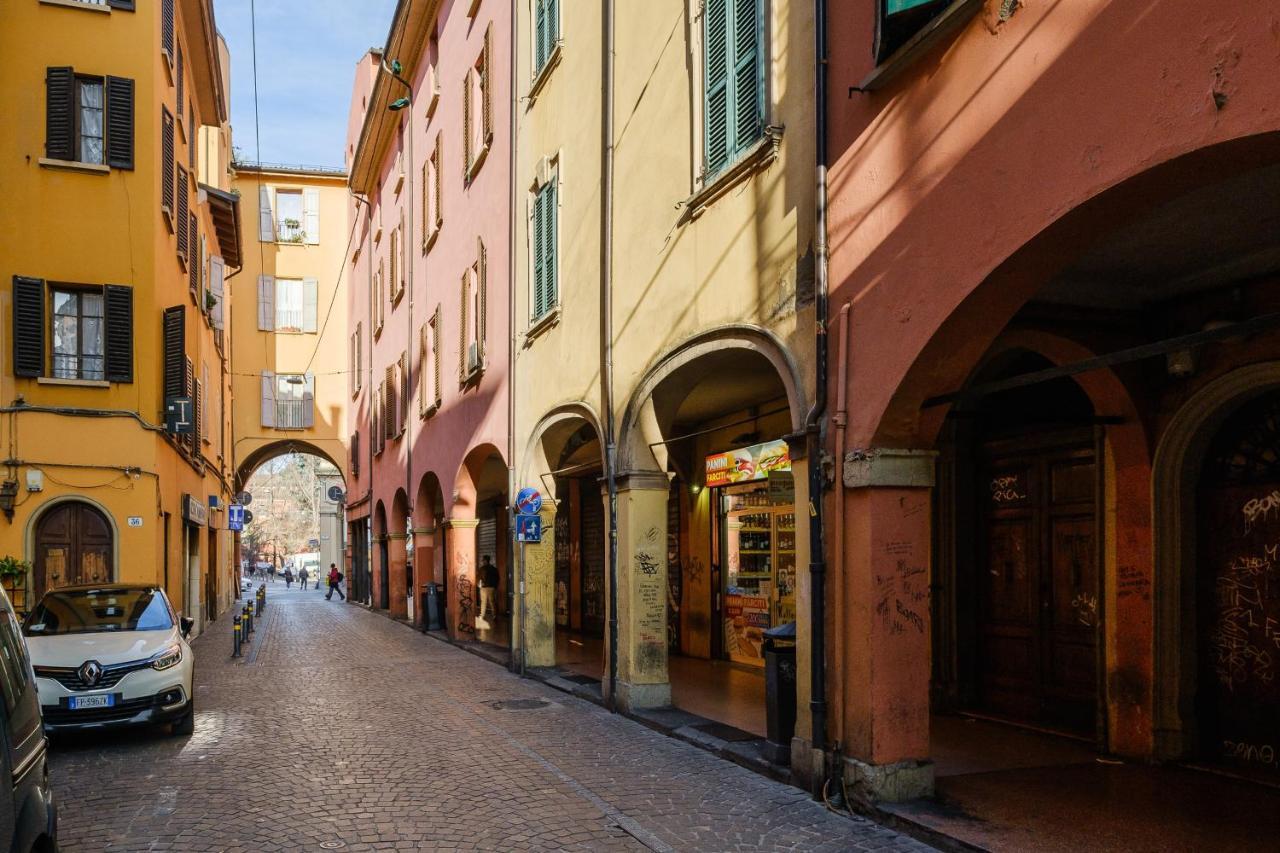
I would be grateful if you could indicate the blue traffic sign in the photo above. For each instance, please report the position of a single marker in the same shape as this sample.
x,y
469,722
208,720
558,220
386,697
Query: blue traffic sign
x,y
528,501
235,517
528,528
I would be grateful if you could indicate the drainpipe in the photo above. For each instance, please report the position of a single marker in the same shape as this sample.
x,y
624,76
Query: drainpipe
x,y
606,339
840,420
813,422
511,340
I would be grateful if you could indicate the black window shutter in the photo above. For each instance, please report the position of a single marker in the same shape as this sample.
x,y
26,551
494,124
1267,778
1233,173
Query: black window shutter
x,y
189,390
166,162
59,124
180,82
119,123
28,326
181,224
193,260
166,26
118,308
196,390
123,5
175,350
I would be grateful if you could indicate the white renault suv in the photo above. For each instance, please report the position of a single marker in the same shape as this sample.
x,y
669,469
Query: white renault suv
x,y
110,656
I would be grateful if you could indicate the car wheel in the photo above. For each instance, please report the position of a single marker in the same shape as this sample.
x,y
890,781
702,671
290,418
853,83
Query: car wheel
x,y
186,724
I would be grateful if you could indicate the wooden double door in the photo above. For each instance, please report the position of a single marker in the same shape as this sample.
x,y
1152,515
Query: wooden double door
x,y
1037,585
74,545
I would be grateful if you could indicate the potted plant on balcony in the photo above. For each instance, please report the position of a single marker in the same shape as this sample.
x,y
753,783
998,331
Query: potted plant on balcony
x,y
291,232
13,577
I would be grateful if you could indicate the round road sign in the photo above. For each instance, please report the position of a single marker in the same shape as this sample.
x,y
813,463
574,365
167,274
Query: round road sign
x,y
335,494
528,501
244,499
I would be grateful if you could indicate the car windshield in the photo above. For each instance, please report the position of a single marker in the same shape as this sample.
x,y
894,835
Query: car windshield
x,y
84,611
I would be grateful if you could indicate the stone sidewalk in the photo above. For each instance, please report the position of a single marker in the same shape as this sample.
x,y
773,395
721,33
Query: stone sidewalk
x,y
342,729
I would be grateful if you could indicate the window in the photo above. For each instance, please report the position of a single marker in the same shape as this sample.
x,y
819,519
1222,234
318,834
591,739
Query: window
x,y
546,32
204,401
397,263
166,167
90,128
166,27
183,214
390,399
543,228
88,119
179,80
289,216
357,357
472,316
733,98
432,195
477,110
429,386
379,302
375,419
77,334
898,20
296,303
288,400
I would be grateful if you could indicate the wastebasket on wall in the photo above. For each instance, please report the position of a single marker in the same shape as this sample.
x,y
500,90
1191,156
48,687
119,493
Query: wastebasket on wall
x,y
432,608
780,692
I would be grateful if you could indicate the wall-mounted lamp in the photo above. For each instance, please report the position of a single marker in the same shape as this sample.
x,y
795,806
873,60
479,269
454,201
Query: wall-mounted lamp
x,y
398,104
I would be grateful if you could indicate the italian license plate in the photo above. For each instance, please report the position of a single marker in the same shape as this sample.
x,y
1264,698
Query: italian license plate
x,y
81,702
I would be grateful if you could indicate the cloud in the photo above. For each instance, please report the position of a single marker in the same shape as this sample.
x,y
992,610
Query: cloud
x,y
307,51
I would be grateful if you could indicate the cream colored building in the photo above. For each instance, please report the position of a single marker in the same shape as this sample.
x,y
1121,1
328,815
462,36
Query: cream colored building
x,y
292,355
712,289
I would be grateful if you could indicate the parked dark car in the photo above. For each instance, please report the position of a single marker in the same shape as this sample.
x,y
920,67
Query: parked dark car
x,y
28,818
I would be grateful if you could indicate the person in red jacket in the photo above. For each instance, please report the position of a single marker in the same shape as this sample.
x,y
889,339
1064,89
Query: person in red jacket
x,y
335,578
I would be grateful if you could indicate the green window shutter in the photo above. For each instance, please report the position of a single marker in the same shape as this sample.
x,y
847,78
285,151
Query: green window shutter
x,y
553,25
551,295
539,269
748,77
718,129
539,35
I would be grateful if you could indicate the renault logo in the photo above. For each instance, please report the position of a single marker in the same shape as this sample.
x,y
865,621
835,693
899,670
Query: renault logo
x,y
90,672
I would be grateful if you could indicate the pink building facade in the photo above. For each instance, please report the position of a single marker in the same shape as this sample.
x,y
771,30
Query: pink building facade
x,y
1053,274
428,151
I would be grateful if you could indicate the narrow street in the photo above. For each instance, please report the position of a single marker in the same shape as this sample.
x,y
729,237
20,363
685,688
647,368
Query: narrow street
x,y
341,729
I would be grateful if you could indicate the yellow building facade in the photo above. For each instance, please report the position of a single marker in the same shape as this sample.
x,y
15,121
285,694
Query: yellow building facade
x,y
664,329
117,240
293,349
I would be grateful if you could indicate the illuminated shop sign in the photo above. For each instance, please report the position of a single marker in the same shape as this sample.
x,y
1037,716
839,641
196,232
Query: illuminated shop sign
x,y
748,464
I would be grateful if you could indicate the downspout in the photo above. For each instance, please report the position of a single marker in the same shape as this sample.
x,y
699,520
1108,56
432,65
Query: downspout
x,y
511,342
606,339
366,580
840,420
813,422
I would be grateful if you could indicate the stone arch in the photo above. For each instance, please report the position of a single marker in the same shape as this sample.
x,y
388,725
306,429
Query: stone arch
x,y
535,461
471,478
381,569
265,453
639,426
1176,468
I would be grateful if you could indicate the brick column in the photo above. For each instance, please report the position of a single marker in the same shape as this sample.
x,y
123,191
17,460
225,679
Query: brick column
x,y
424,562
884,689
642,592
375,570
464,602
397,558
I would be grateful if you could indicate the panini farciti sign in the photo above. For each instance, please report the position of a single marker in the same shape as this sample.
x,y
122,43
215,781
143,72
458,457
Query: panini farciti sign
x,y
748,463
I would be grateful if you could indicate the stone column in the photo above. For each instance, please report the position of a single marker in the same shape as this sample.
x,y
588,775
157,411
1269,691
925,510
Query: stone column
x,y
424,562
883,692
397,557
375,570
460,539
642,592
539,635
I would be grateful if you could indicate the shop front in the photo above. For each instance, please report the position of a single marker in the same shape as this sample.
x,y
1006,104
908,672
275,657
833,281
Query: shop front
x,y
753,547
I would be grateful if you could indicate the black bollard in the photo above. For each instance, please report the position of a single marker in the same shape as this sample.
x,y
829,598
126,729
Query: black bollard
x,y
235,637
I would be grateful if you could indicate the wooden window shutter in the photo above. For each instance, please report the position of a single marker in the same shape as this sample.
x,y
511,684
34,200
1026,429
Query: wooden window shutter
x,y
403,393
266,216
355,454
716,45
310,300
118,335
423,365
122,5
217,281
268,398
541,30
462,325
119,123
191,136
551,216
482,285
28,326
180,81
266,303
166,161
426,201
183,233
486,85
539,269
59,114
311,215
308,400
467,153
189,389
437,356
194,260
175,350
166,26
389,402
437,182
197,414
748,79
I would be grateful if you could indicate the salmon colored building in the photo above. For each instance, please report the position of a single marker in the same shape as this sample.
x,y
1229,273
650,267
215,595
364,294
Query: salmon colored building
x,y
1055,379
429,160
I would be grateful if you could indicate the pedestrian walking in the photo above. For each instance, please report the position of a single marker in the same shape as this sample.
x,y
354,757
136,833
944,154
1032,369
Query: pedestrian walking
x,y
488,587
335,578
288,578
302,578
272,572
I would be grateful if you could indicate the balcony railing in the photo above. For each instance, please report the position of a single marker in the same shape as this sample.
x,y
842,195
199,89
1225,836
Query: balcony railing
x,y
293,414
288,319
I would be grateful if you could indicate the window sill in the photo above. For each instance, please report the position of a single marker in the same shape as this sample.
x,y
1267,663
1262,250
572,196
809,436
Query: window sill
x,y
399,183
431,410
167,214
541,325
377,235
431,239
397,299
75,4
76,383
540,79
377,332
954,16
168,63
480,157
472,377
74,166
755,159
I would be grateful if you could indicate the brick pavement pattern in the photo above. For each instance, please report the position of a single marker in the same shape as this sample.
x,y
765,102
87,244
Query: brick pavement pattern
x,y
341,729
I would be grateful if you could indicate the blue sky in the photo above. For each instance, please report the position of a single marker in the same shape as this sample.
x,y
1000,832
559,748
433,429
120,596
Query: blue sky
x,y
307,54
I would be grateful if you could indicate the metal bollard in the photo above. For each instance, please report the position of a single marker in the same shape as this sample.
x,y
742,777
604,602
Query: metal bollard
x,y
235,637
248,619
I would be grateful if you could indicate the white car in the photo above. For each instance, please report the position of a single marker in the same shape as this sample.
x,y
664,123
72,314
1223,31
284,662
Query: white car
x,y
111,655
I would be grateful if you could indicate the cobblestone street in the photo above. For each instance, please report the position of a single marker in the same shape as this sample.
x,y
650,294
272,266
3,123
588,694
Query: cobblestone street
x,y
341,729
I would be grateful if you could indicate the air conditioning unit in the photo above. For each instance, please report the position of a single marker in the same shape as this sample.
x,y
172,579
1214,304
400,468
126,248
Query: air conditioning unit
x,y
473,358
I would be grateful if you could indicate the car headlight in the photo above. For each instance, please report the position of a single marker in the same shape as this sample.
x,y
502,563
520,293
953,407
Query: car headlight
x,y
168,658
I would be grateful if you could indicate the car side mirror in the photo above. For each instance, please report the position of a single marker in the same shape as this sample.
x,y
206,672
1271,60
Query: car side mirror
x,y
187,624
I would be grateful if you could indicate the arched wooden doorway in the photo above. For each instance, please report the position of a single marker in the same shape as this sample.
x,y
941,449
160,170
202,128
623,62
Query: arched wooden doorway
x,y
74,545
1237,595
